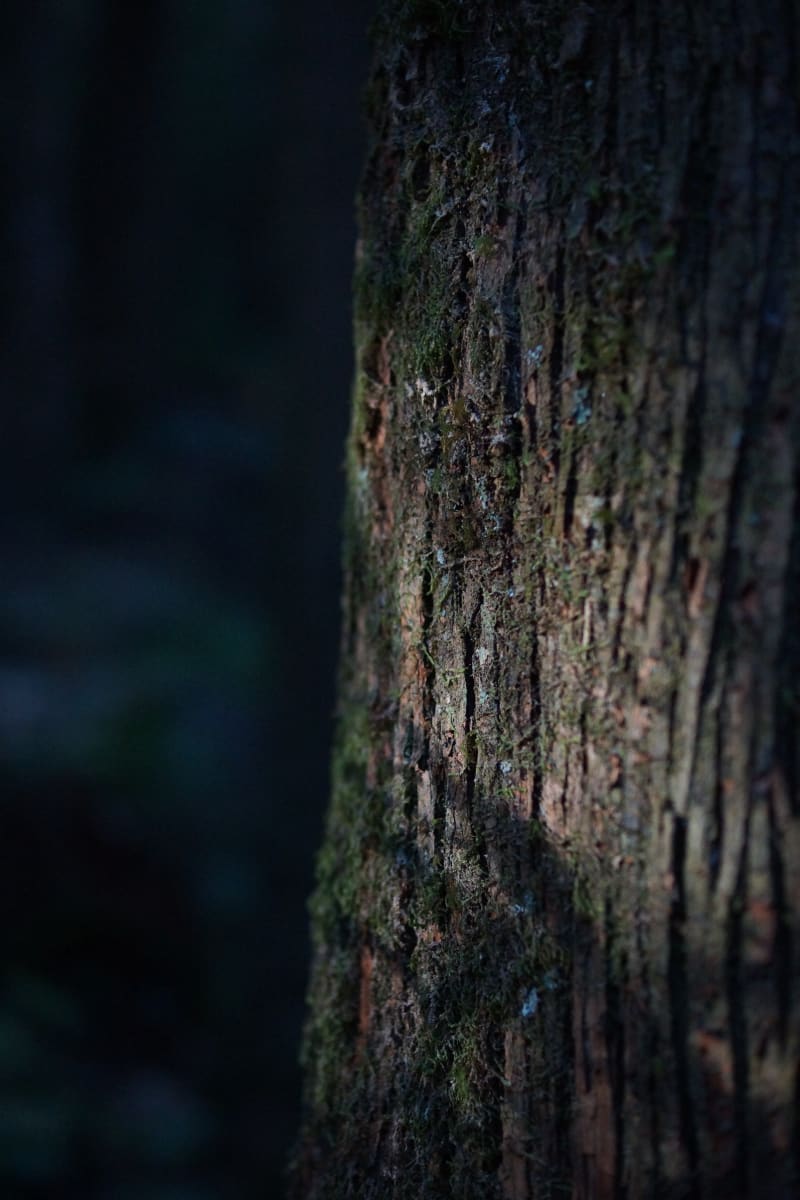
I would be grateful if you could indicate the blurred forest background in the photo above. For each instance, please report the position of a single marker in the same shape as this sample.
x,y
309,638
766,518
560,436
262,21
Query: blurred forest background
x,y
176,228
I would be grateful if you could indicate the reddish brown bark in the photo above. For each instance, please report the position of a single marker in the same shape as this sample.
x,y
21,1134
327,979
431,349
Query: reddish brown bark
x,y
557,919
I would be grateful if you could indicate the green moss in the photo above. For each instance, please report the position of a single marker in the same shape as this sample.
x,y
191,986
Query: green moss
x,y
586,897
353,821
472,988
330,1029
484,245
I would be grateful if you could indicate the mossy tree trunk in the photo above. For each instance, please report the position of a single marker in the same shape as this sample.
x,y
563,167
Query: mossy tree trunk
x,y
556,926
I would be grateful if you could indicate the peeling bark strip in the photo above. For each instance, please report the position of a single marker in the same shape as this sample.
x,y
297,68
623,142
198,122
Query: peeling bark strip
x,y
556,923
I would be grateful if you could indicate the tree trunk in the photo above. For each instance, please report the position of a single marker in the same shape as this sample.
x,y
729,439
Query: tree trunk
x,y
556,924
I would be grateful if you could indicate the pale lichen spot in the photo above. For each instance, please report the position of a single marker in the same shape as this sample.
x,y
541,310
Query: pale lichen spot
x,y
530,1004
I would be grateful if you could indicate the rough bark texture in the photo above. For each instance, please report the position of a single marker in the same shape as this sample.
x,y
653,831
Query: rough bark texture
x,y
556,925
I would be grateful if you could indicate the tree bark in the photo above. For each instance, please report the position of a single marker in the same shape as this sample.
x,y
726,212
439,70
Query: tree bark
x,y
556,924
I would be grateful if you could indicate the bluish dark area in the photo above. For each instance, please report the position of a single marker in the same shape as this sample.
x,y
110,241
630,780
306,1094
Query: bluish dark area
x,y
176,233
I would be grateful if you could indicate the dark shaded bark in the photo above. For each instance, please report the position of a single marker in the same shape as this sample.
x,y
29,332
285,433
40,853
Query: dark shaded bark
x,y
557,915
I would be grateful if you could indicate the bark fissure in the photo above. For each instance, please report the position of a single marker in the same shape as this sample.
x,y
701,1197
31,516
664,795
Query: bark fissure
x,y
738,1024
679,1004
615,981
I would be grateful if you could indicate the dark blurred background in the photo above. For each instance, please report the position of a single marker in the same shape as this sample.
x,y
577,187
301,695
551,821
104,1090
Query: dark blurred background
x,y
176,239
